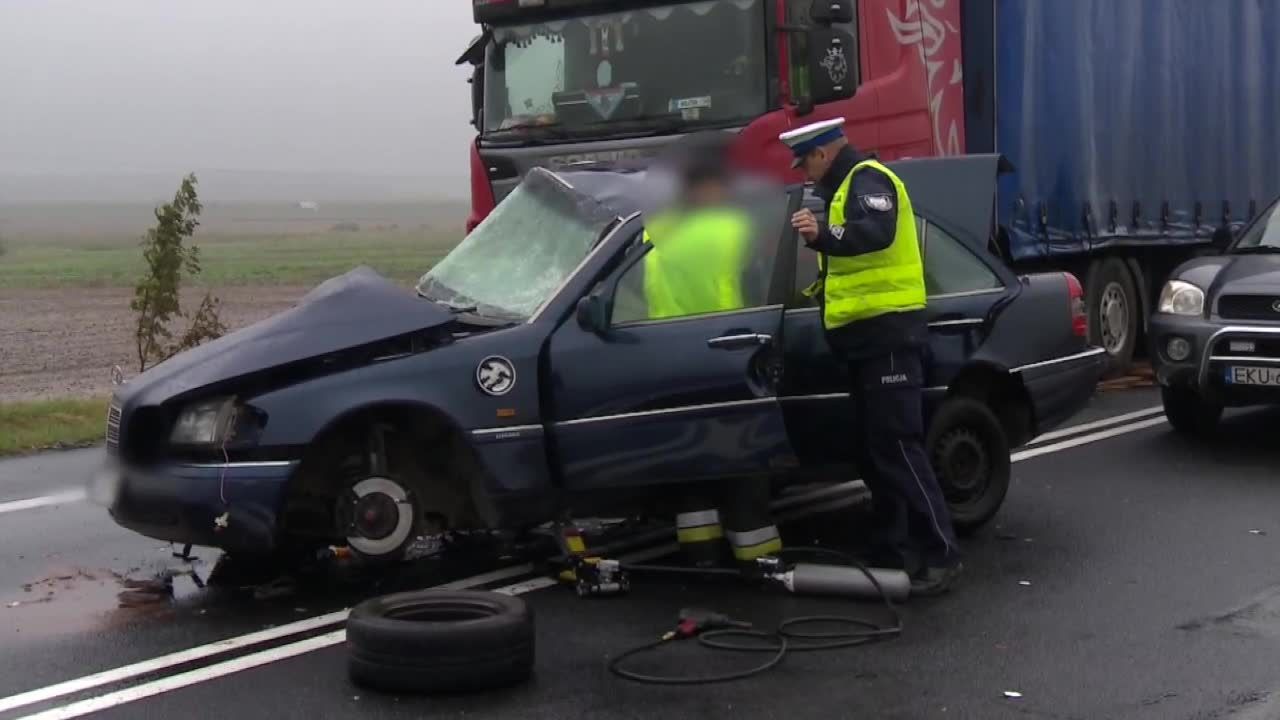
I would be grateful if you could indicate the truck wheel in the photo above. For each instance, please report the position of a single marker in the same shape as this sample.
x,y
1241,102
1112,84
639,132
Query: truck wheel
x,y
1114,309
1189,413
970,455
440,641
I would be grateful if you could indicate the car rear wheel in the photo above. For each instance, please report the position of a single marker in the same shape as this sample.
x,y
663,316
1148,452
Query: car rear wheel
x,y
969,452
440,641
1189,413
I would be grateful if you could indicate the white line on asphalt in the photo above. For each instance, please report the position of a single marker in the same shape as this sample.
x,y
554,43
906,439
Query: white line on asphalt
x,y
257,659
146,667
1087,439
61,498
266,657
1105,422
191,677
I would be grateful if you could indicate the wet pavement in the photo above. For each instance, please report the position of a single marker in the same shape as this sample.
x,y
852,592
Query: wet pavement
x,y
1133,575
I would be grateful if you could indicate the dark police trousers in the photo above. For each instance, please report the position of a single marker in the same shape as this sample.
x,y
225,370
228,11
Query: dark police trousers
x,y
912,515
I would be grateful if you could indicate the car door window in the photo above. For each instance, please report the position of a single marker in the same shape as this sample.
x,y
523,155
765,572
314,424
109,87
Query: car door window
x,y
950,268
703,263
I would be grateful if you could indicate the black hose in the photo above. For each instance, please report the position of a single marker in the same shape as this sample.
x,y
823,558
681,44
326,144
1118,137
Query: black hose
x,y
715,639
707,640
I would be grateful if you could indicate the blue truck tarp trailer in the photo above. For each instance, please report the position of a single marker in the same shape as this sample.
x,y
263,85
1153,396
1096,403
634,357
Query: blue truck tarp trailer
x,y
1142,132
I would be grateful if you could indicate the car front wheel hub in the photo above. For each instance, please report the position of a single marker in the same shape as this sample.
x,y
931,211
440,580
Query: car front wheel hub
x,y
376,516
381,516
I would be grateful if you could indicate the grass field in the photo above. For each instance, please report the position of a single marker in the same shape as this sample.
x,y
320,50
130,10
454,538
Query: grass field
x,y
83,246
42,425
277,259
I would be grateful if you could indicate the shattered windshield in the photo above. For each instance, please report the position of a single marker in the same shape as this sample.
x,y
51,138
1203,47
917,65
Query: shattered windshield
x,y
679,64
522,252
1263,235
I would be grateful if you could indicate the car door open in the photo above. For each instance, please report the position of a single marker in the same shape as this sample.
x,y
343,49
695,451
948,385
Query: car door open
x,y
669,371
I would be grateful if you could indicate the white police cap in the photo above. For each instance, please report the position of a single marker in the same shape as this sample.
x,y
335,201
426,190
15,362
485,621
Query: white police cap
x,y
804,139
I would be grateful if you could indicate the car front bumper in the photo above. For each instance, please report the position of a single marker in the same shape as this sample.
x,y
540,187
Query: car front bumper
x,y
232,506
1211,354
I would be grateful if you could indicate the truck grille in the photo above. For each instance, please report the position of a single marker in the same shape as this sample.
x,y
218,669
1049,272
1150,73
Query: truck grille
x,y
113,427
1250,307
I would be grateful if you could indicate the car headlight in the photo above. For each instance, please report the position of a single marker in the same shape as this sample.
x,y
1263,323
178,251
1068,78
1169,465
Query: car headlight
x,y
1181,298
206,422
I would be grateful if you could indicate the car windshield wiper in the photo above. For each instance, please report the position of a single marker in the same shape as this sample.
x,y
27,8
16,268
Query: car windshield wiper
x,y
1257,250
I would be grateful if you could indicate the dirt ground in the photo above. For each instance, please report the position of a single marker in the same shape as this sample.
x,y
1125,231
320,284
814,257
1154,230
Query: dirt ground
x,y
64,342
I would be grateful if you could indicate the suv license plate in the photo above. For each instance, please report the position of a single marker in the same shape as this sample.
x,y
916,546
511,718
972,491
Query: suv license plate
x,y
1266,376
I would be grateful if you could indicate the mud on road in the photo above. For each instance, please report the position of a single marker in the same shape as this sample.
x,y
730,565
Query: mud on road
x,y
63,342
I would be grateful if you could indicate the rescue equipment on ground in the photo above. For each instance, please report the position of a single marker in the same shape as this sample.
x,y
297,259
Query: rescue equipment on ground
x,y
594,576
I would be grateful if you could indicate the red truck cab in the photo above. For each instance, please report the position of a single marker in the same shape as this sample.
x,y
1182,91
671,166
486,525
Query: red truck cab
x,y
558,83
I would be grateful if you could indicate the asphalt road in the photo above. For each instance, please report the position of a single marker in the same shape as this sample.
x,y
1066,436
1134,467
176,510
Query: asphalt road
x,y
1131,574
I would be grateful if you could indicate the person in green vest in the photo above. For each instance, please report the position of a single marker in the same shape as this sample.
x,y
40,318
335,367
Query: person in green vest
x,y
701,261
872,294
705,259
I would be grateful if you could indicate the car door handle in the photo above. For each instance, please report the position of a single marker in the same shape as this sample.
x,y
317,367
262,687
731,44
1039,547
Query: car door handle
x,y
738,342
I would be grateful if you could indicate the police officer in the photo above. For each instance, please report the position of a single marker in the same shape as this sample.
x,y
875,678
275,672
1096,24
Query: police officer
x,y
872,293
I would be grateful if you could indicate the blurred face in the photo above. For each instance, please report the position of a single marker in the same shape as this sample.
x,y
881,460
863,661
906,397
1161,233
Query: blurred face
x,y
706,192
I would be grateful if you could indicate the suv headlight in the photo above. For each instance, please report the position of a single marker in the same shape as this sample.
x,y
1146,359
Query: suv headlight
x,y
206,422
1181,298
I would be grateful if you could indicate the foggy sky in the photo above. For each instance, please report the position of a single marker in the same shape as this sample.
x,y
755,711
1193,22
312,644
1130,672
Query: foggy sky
x,y
167,86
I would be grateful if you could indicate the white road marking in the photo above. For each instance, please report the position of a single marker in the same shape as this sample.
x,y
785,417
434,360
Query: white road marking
x,y
191,677
210,672
146,667
1087,439
61,498
266,657
1105,422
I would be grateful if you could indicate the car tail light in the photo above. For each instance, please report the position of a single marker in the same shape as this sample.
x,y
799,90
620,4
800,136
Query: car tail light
x,y
1079,318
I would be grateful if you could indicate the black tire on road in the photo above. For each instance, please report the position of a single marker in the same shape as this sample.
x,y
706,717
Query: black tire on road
x,y
1189,413
436,641
1114,311
969,452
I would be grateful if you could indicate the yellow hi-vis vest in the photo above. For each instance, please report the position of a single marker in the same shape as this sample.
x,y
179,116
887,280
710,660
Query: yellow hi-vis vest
x,y
865,286
696,264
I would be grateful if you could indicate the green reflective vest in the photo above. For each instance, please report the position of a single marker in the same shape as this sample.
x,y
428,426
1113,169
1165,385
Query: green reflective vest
x,y
865,286
697,262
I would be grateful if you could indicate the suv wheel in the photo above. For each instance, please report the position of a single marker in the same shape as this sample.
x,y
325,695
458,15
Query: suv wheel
x,y
1189,413
970,455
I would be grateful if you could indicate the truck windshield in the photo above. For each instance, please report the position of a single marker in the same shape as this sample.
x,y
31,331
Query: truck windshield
x,y
522,252
652,68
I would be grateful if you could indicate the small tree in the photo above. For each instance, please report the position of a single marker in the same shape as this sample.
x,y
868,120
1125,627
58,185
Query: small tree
x,y
157,296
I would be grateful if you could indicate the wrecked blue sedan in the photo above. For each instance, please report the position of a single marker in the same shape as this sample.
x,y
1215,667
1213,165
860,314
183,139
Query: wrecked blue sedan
x,y
525,380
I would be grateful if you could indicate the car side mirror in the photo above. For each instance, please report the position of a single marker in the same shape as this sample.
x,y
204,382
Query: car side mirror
x,y
832,64
593,313
826,12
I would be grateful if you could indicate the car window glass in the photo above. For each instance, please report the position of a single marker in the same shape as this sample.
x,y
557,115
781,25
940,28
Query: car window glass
x,y
949,267
807,266
557,227
703,261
